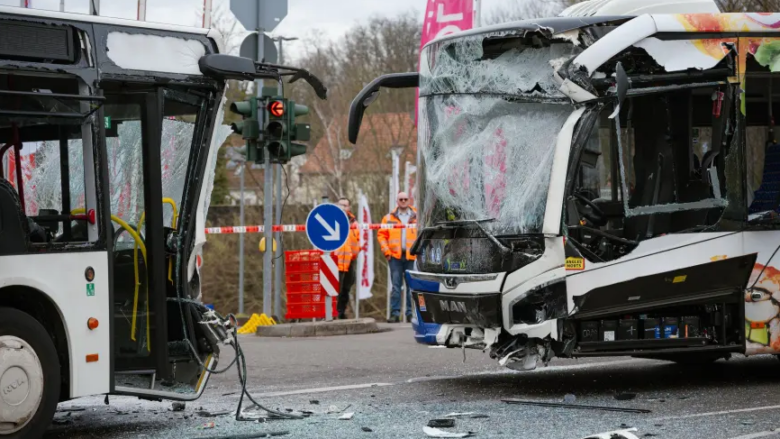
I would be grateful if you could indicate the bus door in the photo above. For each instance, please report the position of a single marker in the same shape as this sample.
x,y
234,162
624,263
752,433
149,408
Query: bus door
x,y
150,133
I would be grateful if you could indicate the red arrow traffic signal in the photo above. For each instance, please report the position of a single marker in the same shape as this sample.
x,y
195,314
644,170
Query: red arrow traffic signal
x,y
276,108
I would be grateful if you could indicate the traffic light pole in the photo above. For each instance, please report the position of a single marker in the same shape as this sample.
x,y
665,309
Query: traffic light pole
x,y
268,188
278,253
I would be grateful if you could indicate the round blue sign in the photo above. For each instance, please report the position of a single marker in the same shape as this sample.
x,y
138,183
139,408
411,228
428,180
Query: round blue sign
x,y
327,227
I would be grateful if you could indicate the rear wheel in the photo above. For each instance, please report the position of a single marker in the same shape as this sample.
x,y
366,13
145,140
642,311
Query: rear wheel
x,y
29,376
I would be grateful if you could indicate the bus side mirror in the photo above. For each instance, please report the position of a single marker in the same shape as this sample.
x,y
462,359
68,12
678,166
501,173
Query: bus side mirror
x,y
371,92
225,67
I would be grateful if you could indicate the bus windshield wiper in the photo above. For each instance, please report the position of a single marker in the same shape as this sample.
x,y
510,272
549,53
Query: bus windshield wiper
x,y
448,225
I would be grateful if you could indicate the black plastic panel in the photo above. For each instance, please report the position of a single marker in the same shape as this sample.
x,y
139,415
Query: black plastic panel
x,y
483,310
696,283
36,42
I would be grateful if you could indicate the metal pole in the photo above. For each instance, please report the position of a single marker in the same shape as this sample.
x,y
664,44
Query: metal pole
x,y
281,51
328,299
268,192
241,247
477,13
389,274
94,7
361,255
62,5
207,7
278,253
141,10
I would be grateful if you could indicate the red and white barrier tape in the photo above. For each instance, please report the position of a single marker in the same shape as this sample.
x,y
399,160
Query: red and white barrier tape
x,y
296,228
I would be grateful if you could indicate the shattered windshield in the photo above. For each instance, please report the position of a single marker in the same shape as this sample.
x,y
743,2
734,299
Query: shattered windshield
x,y
488,124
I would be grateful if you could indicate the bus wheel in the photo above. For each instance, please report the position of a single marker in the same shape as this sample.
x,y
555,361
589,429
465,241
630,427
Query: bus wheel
x,y
29,376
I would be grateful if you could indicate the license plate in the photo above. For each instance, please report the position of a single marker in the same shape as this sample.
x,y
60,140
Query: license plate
x,y
421,302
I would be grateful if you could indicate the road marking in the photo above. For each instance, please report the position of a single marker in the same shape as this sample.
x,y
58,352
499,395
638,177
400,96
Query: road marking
x,y
724,412
759,434
436,378
321,390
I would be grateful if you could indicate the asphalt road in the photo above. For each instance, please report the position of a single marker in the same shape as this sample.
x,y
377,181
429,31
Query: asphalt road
x,y
395,386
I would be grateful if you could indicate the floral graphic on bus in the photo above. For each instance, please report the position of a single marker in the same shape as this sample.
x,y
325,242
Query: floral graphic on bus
x,y
762,310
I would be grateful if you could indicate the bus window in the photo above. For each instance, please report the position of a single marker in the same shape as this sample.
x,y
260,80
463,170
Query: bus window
x,y
48,171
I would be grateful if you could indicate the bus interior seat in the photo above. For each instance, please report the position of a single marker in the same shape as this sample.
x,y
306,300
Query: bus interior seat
x,y
768,194
14,225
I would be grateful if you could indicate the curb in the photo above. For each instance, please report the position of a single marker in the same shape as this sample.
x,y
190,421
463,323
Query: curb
x,y
319,329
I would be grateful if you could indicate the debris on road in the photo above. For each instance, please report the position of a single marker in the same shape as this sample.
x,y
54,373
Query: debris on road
x,y
367,430
617,434
442,423
347,416
479,416
214,414
207,426
435,432
576,406
314,401
105,401
72,409
178,406
458,415
625,396
569,398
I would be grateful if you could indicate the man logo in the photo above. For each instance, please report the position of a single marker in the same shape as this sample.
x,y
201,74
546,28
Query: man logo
x,y
452,306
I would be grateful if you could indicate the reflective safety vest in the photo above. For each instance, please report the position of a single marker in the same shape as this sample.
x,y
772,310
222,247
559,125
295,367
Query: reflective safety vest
x,y
349,251
390,239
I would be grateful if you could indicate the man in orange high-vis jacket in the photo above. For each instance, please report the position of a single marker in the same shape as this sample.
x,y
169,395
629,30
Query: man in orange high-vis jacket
x,y
395,244
347,256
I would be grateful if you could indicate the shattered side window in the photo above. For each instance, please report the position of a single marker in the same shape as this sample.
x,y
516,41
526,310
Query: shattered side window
x,y
668,162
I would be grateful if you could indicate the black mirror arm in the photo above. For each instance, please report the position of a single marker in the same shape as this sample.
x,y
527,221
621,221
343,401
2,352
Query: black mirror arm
x,y
368,94
296,73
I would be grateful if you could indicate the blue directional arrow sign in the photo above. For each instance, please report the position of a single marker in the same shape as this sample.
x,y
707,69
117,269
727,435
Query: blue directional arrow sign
x,y
327,227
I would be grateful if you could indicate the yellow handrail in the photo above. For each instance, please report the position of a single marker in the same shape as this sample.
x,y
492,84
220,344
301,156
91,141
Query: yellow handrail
x,y
138,242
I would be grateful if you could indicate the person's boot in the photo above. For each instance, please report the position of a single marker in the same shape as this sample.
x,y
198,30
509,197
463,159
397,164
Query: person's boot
x,y
342,316
394,319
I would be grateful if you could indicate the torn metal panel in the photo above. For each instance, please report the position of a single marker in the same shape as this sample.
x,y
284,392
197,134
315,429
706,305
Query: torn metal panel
x,y
555,24
680,55
435,432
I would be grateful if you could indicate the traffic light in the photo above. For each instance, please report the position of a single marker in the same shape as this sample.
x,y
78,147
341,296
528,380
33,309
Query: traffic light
x,y
249,127
281,129
277,136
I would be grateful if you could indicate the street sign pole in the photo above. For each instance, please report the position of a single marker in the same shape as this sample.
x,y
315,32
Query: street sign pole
x,y
329,300
278,253
262,16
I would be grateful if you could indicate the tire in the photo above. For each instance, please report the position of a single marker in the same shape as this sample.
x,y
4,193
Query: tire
x,y
27,354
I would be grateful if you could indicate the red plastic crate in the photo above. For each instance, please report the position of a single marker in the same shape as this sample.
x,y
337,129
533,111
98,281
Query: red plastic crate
x,y
304,287
302,298
302,267
308,310
303,277
302,255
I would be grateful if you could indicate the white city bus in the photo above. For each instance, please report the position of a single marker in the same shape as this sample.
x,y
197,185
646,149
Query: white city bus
x,y
601,183
108,135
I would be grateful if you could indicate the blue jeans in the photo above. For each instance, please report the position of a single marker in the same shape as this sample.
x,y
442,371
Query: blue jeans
x,y
398,268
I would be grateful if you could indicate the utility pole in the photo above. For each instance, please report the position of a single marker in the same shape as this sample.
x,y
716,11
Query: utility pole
x,y
278,253
241,245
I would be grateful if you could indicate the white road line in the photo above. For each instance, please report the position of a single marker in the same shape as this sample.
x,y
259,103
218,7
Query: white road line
x,y
321,390
759,434
724,412
436,378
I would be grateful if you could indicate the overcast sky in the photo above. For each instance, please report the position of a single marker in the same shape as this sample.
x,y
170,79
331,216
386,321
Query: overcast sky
x,y
331,17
